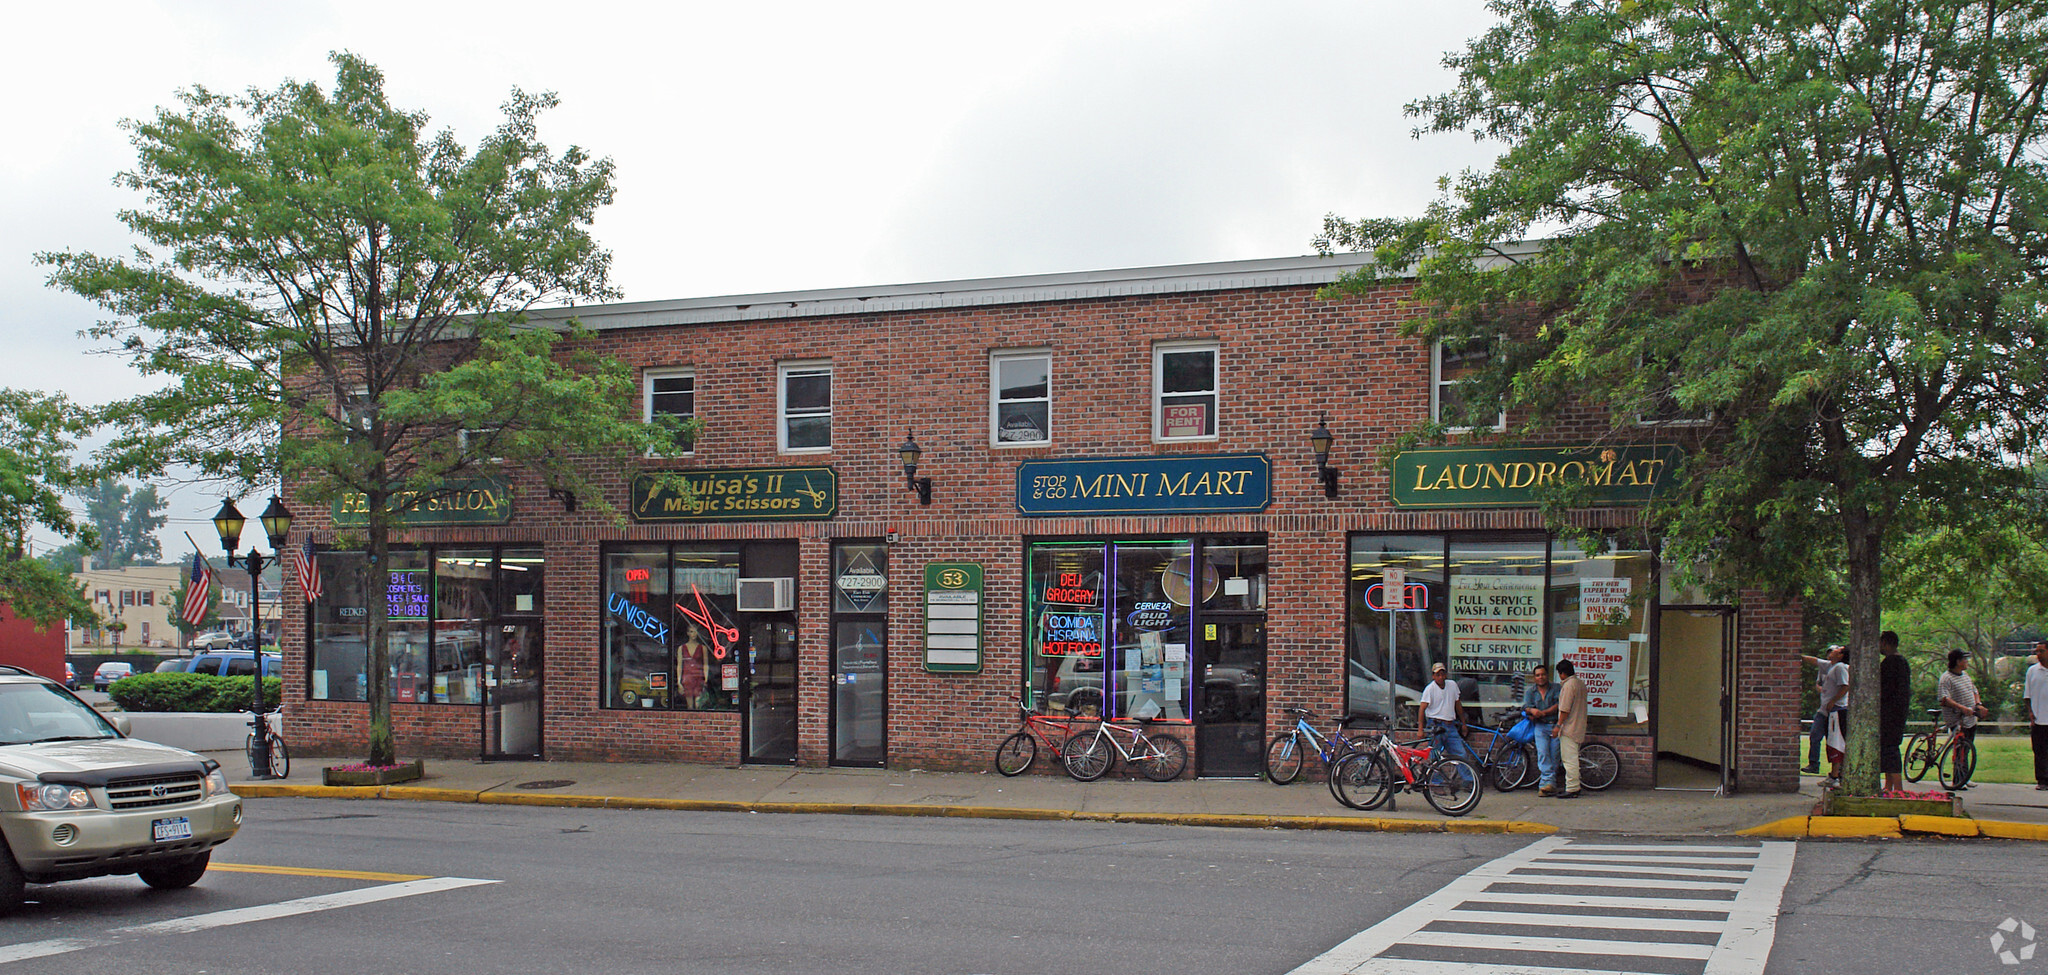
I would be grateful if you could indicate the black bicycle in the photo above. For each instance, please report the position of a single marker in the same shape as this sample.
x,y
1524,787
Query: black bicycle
x,y
280,760
1508,764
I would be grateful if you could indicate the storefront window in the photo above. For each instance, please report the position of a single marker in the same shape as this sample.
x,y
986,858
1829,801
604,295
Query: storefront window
x,y
1494,621
411,603
522,582
639,616
1599,608
1241,569
339,621
1109,625
707,636
669,636
1374,681
462,609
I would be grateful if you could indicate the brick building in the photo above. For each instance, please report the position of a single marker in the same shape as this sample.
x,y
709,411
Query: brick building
x,y
1125,515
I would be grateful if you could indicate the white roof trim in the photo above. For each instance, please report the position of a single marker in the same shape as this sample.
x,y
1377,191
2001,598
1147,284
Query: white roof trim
x,y
972,292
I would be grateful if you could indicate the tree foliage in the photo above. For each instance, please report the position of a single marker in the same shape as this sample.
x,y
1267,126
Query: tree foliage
x,y
325,268
1814,227
38,432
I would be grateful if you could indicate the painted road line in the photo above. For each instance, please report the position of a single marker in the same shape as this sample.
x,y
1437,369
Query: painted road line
x,y
1530,905
240,915
389,878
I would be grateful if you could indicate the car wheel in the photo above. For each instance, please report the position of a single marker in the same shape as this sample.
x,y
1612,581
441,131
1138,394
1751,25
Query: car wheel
x,y
12,888
176,874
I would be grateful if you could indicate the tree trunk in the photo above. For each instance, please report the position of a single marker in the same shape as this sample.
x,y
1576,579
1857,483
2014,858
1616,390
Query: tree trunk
x,y
377,659
1864,536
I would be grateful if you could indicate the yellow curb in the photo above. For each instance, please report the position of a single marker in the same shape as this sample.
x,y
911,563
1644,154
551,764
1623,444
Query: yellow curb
x,y
1853,827
1791,828
430,794
1937,825
998,812
265,790
1999,829
677,805
1382,824
540,799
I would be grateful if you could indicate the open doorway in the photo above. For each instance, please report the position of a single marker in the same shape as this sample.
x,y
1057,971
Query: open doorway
x,y
1693,702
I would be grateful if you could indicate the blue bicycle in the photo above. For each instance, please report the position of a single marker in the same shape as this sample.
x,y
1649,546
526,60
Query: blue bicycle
x,y
1290,749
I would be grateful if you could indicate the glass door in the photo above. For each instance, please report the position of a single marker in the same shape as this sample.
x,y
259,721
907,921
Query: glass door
x,y
770,706
860,694
1230,730
512,691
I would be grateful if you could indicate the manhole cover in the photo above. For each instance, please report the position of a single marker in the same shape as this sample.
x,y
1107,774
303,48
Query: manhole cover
x,y
544,784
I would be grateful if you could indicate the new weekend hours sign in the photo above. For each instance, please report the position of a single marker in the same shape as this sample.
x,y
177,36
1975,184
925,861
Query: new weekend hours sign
x,y
1496,623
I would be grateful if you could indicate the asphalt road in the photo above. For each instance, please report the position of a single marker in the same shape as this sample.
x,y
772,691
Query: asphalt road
x,y
647,891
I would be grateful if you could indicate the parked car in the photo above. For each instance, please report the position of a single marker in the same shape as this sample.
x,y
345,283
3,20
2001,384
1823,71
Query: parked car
x,y
1368,692
85,800
110,672
70,676
234,664
173,665
216,640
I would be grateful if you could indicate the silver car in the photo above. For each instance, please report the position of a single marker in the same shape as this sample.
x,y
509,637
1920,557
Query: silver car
x,y
78,798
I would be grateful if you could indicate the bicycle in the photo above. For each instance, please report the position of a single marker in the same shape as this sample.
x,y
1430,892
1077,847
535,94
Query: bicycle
x,y
1368,780
1088,757
1598,766
1020,750
280,759
1952,760
1290,749
1510,764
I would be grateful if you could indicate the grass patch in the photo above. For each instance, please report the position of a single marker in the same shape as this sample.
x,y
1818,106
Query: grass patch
x,y
2000,758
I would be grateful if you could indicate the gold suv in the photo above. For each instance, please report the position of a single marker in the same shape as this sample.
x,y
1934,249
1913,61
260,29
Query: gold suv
x,y
79,798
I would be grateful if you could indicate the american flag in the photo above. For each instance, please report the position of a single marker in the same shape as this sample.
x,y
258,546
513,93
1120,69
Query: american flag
x,y
307,565
196,591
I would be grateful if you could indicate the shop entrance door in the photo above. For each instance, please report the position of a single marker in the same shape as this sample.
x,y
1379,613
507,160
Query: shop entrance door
x,y
1230,715
1694,699
770,705
860,694
512,692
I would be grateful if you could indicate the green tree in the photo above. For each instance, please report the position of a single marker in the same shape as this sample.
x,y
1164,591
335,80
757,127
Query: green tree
x,y
323,266
38,432
207,622
1813,227
126,521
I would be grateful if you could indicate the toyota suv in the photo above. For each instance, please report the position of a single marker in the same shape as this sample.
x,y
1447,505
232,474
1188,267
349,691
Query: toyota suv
x,y
79,798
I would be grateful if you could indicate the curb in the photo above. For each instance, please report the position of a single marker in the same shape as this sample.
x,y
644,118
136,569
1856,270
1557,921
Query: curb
x,y
1894,827
1356,824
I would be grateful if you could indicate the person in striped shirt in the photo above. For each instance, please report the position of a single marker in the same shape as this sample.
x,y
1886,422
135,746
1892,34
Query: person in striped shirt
x,y
1960,706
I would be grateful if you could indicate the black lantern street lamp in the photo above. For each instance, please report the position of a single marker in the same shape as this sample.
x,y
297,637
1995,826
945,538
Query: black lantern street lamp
x,y
910,452
1319,440
277,523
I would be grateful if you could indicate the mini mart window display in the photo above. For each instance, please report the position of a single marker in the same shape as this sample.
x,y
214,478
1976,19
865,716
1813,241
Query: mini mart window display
x,y
1108,625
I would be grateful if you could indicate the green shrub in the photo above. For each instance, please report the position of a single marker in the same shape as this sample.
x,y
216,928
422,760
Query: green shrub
x,y
190,692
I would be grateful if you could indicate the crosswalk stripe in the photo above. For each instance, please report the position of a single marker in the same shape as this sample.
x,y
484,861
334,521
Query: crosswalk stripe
x,y
1583,920
1722,862
1481,915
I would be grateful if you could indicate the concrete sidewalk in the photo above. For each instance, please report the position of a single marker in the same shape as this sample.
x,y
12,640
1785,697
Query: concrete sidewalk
x,y
1220,802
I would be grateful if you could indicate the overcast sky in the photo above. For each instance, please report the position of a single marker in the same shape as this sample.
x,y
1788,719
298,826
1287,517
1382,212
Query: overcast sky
x,y
780,146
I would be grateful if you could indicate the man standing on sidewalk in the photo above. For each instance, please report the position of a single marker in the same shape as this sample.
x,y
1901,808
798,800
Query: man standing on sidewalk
x,y
2037,710
1817,734
1960,707
1539,705
1442,718
1894,689
1571,725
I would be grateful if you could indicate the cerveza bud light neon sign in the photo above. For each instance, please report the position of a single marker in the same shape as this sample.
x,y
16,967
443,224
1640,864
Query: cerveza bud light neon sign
x,y
622,606
1152,617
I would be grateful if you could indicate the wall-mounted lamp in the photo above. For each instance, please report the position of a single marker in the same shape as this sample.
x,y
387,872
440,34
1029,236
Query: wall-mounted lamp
x,y
910,452
1319,440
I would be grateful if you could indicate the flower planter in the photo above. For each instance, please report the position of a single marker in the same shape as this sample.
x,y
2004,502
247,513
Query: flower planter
x,y
373,774
1908,804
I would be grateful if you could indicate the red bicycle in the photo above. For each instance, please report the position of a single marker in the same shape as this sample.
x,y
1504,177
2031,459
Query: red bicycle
x,y
1018,751
1369,779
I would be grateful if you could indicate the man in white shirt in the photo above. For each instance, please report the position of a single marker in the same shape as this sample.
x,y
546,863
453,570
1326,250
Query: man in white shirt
x,y
2037,709
1440,716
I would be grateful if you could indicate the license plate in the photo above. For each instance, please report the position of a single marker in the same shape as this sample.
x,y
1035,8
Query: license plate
x,y
170,829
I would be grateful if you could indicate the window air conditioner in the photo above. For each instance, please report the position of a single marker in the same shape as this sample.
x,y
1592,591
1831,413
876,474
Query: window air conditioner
x,y
767,595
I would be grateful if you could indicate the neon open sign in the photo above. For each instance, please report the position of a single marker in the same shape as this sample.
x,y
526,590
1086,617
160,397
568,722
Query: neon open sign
x,y
1415,598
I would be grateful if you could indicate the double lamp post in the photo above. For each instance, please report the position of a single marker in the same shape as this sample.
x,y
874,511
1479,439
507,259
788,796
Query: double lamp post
x,y
277,523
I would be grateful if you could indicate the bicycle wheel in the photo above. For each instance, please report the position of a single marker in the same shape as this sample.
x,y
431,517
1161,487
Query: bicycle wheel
x,y
255,760
1962,761
1362,781
1509,768
1920,756
1598,765
1016,753
1283,758
1452,786
280,759
1087,757
1532,772
1163,759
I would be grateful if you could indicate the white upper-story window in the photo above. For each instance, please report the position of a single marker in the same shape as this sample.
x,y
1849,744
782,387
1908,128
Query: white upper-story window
x,y
479,444
669,392
803,400
1020,398
1453,362
1185,391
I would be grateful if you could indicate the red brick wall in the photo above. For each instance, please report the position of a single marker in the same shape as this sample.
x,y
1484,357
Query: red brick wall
x,y
1285,357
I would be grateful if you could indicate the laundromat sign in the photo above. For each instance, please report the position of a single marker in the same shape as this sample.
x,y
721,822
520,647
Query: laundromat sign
x,y
477,501
744,494
1515,477
1179,484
